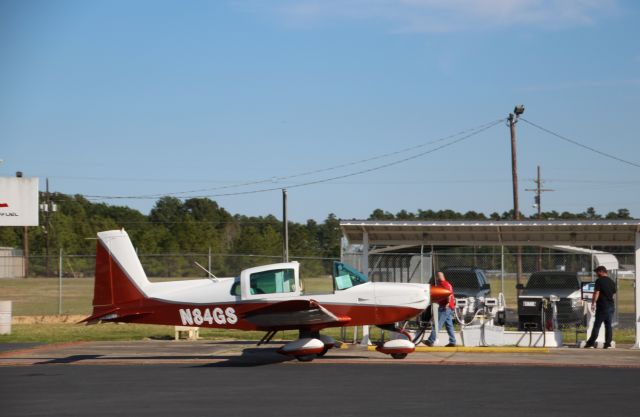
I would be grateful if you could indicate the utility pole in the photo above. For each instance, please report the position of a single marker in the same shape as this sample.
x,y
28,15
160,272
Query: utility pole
x,y
285,228
25,237
46,214
513,119
48,208
538,204
538,190
25,240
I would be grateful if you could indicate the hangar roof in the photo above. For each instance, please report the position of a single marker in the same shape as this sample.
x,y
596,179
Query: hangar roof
x,y
524,233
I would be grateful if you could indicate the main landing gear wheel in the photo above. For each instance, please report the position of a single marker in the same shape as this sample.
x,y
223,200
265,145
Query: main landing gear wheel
x,y
306,358
324,351
398,355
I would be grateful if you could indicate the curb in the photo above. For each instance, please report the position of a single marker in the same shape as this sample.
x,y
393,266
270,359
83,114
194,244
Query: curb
x,y
476,349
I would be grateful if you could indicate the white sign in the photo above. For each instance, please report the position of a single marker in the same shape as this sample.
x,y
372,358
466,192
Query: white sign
x,y
18,201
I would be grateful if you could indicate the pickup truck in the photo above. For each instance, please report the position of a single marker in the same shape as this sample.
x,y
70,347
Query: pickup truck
x,y
543,284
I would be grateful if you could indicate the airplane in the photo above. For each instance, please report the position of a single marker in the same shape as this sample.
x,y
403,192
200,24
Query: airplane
x,y
267,298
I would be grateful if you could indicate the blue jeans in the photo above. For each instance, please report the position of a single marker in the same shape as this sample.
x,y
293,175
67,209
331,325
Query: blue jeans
x,y
603,315
445,316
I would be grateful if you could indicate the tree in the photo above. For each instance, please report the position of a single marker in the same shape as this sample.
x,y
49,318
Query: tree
x,y
329,237
621,214
405,215
379,214
590,214
168,210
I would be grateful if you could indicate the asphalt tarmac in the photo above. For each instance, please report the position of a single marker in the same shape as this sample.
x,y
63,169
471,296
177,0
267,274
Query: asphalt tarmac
x,y
204,378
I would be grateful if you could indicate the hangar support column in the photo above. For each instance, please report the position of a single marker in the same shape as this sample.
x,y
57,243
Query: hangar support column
x,y
637,298
365,270
365,252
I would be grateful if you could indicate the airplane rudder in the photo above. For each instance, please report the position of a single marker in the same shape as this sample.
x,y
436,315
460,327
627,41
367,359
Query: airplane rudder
x,y
103,285
113,285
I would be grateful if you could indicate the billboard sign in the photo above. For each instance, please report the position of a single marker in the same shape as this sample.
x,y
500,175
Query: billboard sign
x,y
18,201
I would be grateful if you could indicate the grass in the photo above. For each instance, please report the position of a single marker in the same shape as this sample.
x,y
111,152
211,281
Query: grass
x,y
60,332
40,296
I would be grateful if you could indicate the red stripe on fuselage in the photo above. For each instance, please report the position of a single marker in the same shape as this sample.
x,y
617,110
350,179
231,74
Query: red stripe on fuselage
x,y
159,312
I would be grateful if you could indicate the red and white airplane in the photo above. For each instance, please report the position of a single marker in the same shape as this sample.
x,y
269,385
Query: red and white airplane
x,y
267,298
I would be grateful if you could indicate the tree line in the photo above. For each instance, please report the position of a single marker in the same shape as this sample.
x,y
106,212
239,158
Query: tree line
x,y
589,214
173,226
201,226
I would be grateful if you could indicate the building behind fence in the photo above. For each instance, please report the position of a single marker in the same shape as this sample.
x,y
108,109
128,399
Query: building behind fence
x,y
11,263
500,267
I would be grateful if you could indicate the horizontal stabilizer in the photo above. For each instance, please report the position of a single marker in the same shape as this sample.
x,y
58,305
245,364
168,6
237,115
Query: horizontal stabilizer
x,y
96,317
113,316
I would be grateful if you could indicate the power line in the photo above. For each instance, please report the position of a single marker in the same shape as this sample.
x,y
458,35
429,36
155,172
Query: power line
x,y
580,144
351,174
331,168
317,171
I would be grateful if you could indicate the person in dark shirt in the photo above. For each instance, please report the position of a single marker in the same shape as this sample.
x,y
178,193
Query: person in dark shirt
x,y
603,302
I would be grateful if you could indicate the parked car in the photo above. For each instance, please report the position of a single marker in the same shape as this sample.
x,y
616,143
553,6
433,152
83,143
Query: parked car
x,y
468,282
543,284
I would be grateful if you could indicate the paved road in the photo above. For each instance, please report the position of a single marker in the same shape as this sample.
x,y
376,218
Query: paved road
x,y
8,347
203,352
315,389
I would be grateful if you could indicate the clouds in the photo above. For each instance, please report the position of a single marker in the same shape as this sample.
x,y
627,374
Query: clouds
x,y
443,15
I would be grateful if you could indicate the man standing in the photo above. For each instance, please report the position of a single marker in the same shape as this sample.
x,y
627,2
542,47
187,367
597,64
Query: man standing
x,y
445,314
603,302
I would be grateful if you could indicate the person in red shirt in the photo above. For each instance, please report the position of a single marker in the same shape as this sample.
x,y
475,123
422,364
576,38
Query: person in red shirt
x,y
445,314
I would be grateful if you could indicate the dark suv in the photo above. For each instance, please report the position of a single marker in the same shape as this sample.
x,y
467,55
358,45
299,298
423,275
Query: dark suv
x,y
468,282
543,284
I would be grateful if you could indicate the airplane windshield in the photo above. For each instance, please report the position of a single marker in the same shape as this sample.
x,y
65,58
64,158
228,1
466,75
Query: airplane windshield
x,y
553,281
272,281
346,276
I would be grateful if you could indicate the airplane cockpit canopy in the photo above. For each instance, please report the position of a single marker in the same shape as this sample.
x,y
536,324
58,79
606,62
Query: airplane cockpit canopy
x,y
273,281
345,276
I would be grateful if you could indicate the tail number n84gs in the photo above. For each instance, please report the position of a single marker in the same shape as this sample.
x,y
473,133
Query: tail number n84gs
x,y
191,316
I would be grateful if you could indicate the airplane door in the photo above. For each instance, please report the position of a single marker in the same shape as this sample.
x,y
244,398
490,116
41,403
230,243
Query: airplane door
x,y
270,282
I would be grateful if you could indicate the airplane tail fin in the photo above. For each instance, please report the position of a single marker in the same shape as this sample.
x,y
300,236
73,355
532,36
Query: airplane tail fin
x,y
119,276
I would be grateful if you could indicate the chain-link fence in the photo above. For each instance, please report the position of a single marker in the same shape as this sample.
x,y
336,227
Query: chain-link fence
x,y
64,284
543,273
472,273
179,265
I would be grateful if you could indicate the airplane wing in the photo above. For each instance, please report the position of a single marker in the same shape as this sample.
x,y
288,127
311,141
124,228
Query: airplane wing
x,y
294,314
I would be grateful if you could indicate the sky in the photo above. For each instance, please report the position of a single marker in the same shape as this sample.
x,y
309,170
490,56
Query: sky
x,y
351,105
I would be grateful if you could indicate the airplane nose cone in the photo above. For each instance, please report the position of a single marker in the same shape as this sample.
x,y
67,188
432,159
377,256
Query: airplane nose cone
x,y
439,293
